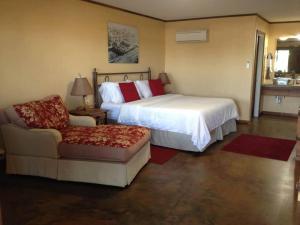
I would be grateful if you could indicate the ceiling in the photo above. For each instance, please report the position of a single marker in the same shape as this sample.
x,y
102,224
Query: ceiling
x,y
272,10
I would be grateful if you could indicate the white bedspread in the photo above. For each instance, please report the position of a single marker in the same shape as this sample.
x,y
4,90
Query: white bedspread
x,y
195,116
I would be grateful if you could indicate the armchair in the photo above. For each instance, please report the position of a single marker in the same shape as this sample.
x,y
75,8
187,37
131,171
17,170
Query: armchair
x,y
35,151
51,143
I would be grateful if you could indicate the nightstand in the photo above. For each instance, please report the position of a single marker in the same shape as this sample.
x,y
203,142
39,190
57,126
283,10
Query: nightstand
x,y
99,115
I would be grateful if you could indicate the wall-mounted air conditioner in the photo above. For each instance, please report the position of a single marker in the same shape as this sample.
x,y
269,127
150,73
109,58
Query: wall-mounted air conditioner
x,y
192,36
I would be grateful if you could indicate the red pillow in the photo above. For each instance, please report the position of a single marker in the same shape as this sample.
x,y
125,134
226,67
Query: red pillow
x,y
49,112
129,91
156,87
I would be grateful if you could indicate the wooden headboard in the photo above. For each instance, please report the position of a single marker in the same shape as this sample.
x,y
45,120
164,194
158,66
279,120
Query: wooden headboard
x,y
97,80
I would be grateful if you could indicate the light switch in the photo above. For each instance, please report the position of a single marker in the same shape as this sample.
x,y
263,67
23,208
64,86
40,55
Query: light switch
x,y
248,65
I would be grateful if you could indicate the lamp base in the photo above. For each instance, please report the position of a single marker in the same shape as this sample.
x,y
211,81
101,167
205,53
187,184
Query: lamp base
x,y
84,102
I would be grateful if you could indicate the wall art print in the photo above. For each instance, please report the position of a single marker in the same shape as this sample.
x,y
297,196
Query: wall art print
x,y
123,44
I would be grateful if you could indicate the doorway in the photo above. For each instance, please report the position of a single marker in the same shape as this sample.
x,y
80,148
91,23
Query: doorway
x,y
259,65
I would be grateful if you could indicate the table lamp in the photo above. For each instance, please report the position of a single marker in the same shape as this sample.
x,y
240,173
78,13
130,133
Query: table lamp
x,y
81,87
164,78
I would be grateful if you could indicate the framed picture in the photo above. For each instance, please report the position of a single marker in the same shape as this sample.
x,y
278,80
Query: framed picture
x,y
123,44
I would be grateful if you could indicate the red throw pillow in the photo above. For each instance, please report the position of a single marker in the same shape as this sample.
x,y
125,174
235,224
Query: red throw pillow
x,y
156,87
129,91
49,112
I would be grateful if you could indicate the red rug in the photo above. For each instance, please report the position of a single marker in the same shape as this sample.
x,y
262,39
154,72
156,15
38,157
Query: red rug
x,y
160,155
266,147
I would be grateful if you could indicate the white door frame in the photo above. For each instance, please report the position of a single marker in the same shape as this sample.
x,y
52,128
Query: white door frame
x,y
259,62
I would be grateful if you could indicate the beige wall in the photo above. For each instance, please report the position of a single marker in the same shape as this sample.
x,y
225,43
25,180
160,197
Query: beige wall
x,y
217,67
45,44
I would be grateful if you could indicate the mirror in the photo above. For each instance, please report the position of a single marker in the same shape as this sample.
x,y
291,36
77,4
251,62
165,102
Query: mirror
x,y
287,57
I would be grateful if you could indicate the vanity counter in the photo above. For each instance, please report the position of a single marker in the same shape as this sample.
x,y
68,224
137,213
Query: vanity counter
x,y
281,90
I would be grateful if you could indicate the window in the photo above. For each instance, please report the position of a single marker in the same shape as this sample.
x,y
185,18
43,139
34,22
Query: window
x,y
282,60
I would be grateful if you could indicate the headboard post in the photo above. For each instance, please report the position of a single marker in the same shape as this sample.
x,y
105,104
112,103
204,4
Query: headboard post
x,y
149,73
95,82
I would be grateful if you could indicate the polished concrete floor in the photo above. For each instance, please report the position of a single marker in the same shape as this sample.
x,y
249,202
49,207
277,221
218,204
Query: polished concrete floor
x,y
212,188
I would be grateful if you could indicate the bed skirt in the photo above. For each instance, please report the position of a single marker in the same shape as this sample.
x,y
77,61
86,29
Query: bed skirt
x,y
183,142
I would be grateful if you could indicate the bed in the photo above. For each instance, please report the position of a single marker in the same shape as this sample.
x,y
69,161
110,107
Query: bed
x,y
177,121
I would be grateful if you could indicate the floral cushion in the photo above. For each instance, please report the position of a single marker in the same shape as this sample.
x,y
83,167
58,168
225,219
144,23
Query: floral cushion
x,y
47,113
115,136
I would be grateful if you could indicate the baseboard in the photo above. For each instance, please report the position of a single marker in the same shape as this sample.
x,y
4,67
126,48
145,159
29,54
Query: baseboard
x,y
280,114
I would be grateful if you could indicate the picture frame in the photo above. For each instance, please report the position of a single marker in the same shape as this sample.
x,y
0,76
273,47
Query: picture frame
x,y
123,43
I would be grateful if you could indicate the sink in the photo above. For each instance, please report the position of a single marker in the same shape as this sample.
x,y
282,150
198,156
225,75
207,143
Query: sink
x,y
283,81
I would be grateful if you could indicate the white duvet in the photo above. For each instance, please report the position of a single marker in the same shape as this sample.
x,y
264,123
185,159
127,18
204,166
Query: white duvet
x,y
195,116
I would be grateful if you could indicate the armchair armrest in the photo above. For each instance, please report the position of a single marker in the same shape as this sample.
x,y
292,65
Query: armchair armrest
x,y
31,142
85,121
50,132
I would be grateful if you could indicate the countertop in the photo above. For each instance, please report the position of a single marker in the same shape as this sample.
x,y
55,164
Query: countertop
x,y
281,90
281,86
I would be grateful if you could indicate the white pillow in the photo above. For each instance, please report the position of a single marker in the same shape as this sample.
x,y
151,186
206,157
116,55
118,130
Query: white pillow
x,y
111,93
138,90
143,88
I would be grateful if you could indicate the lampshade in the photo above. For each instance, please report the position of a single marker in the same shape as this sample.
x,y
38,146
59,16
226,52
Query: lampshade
x,y
81,87
164,78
